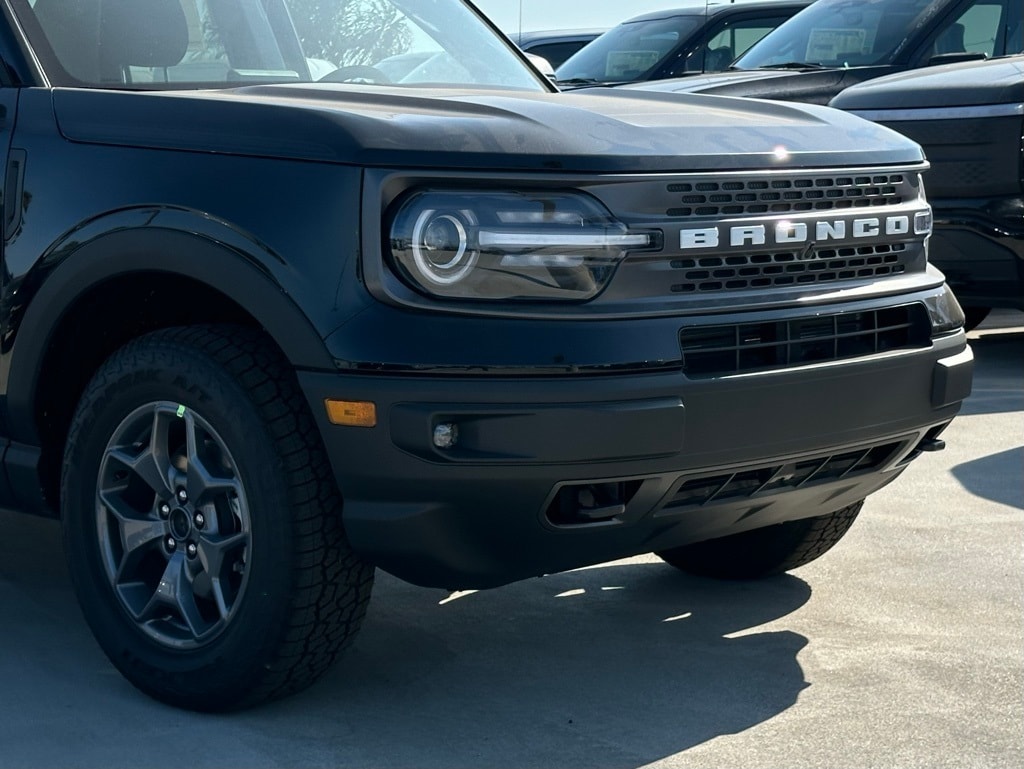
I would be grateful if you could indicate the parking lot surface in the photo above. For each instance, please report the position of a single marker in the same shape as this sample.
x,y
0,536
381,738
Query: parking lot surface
x,y
902,647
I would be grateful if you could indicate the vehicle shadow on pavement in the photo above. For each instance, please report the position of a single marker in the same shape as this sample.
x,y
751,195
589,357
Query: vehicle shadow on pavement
x,y
611,666
999,373
996,477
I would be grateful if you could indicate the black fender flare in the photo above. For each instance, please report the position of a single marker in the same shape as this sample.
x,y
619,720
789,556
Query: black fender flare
x,y
72,268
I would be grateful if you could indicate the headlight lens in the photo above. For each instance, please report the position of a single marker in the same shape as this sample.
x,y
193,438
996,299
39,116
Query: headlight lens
x,y
529,246
944,312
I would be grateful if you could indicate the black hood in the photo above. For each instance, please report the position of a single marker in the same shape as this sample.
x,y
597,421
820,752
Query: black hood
x,y
599,130
811,86
969,84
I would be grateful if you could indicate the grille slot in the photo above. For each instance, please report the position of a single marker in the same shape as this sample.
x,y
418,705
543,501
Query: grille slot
x,y
787,268
742,197
752,484
710,351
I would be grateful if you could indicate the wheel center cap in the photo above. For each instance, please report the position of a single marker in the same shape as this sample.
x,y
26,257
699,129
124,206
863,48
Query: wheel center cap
x,y
180,523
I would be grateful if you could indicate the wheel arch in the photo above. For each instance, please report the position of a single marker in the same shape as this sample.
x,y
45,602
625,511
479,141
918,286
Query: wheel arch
x,y
112,288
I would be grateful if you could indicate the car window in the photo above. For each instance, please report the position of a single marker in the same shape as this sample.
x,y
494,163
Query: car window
x,y
728,40
841,33
556,53
204,43
981,29
630,50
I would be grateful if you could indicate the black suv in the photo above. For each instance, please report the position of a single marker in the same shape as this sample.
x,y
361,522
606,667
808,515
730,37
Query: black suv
x,y
270,320
969,118
672,43
834,44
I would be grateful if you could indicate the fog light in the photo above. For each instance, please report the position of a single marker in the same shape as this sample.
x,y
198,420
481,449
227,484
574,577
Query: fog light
x,y
446,435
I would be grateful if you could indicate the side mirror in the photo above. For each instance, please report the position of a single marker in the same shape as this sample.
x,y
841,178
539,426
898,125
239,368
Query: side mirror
x,y
953,58
543,65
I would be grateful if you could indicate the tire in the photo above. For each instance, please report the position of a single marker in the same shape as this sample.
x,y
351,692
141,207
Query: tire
x,y
763,552
202,524
975,316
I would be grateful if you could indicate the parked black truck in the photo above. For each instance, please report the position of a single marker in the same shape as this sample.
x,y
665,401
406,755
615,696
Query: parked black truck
x,y
969,118
270,321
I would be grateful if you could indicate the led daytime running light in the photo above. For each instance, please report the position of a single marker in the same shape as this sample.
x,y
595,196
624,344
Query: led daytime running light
x,y
562,240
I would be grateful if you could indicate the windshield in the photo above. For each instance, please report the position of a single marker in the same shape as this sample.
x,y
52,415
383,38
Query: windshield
x,y
629,51
218,43
839,33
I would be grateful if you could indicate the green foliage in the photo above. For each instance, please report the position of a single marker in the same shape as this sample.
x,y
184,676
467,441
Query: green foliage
x,y
348,32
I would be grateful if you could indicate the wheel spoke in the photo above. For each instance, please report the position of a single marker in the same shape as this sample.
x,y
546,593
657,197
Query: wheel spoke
x,y
218,597
138,533
152,465
200,483
213,552
175,590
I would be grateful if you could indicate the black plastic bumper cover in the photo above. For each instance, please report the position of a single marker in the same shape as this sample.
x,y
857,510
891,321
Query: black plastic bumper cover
x,y
491,509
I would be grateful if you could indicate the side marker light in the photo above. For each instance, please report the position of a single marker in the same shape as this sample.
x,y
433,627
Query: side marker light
x,y
351,413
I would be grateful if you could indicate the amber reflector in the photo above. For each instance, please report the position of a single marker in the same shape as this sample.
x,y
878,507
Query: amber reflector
x,y
351,413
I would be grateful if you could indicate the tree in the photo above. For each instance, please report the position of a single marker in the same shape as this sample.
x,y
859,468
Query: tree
x,y
349,32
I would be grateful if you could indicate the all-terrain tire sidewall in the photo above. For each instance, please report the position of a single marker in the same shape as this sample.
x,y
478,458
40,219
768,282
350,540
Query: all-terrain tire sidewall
x,y
222,670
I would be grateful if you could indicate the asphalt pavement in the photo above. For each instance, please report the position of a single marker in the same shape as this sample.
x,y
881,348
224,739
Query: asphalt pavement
x,y
902,647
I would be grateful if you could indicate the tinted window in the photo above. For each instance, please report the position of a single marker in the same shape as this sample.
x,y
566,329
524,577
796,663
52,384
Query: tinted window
x,y
984,27
556,53
727,42
839,33
629,51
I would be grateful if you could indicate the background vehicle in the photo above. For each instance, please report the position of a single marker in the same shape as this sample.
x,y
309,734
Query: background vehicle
x,y
672,43
834,44
969,118
266,330
555,45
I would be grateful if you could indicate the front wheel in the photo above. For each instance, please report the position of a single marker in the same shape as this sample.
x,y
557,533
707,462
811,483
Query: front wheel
x,y
201,523
765,551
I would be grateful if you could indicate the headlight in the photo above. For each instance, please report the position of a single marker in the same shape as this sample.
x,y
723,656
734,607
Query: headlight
x,y
944,312
530,246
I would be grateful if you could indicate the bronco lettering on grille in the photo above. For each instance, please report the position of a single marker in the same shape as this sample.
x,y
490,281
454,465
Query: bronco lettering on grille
x,y
789,232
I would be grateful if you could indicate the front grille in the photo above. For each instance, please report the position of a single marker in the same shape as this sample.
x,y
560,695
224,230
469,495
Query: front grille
x,y
742,197
709,351
762,481
787,268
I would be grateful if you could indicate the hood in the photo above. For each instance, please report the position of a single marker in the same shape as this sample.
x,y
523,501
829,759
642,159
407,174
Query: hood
x,y
599,130
968,84
811,86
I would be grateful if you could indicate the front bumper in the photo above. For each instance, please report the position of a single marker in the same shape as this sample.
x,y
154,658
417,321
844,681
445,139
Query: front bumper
x,y
552,473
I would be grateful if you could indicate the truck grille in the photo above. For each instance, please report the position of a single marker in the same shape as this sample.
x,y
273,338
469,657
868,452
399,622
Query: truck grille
x,y
787,268
751,484
741,197
709,351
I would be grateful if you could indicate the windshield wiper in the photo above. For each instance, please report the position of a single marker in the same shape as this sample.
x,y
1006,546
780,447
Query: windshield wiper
x,y
794,65
579,82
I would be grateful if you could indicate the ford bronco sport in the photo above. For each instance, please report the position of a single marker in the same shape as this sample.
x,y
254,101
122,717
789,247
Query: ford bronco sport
x,y
270,321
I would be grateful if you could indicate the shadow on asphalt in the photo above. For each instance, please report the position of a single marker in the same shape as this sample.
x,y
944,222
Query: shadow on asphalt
x,y
612,666
998,372
996,477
